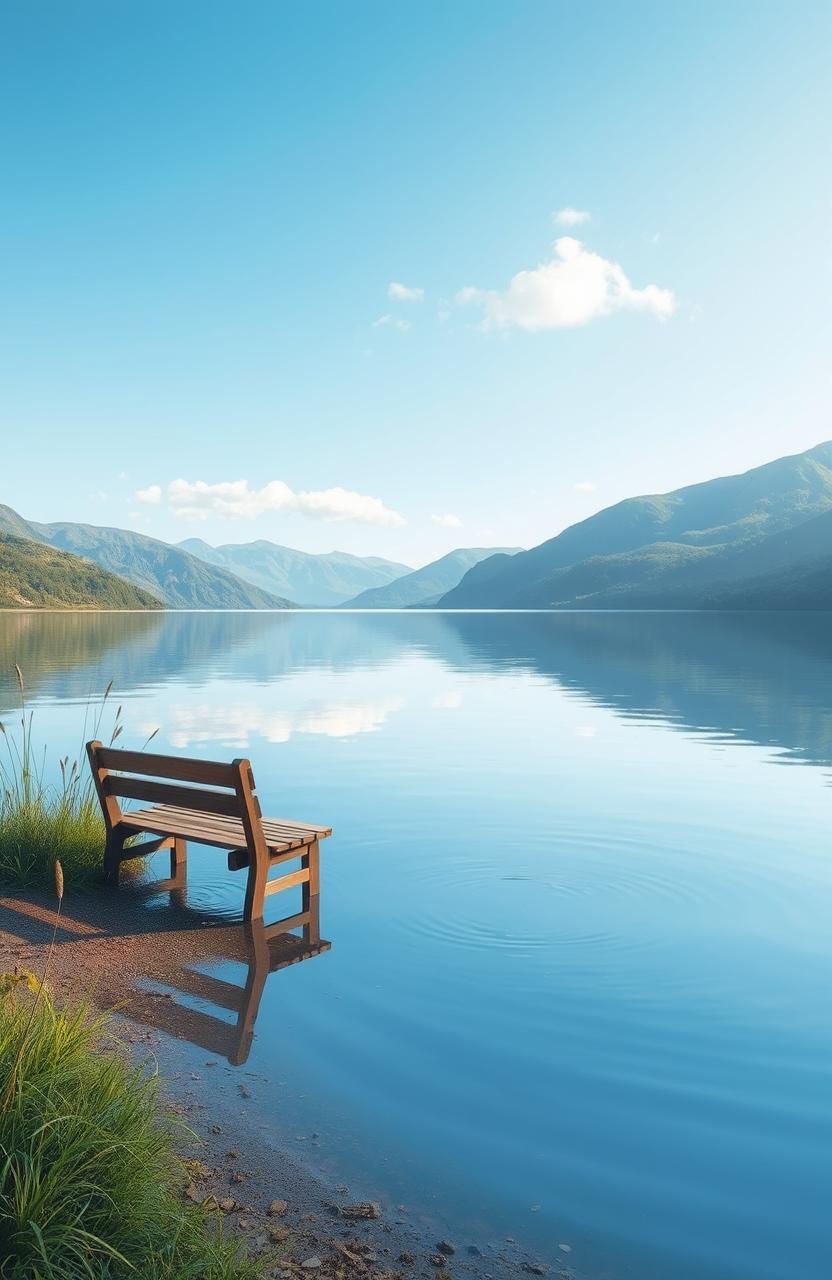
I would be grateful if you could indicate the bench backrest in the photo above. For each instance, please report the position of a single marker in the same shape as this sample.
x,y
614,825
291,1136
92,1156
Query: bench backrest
x,y
213,787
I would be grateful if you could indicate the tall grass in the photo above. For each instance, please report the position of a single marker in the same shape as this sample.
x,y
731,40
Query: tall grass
x,y
42,820
90,1185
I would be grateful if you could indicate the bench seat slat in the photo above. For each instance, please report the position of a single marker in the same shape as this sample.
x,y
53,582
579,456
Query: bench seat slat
x,y
207,829
284,825
224,827
191,826
275,833
280,826
320,832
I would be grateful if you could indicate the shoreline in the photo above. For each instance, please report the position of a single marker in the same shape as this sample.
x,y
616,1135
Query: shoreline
x,y
319,1230
387,1241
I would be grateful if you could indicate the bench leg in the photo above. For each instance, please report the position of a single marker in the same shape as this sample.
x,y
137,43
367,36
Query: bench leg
x,y
312,928
178,858
311,862
112,857
309,893
255,889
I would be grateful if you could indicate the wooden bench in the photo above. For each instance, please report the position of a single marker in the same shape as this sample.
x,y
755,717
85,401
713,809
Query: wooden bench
x,y
218,807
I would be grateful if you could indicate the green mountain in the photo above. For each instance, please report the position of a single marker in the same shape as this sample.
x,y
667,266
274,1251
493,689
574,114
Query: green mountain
x,y
33,575
806,586
178,579
791,570
313,580
11,522
425,586
183,581
670,550
713,578
782,571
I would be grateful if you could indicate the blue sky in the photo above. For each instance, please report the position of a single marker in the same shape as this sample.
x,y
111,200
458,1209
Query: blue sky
x,y
205,205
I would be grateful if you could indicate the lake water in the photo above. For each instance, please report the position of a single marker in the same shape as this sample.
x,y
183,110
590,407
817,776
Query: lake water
x,y
578,894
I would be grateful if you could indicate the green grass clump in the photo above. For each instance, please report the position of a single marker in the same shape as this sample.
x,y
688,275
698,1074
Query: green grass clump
x,y
90,1184
48,826
43,821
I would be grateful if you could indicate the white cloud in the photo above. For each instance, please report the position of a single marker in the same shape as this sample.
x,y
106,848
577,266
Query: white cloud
x,y
585,486
393,321
404,293
198,500
151,496
570,217
566,292
448,521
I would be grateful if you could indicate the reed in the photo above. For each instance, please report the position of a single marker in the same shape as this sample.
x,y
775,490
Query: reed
x,y
43,817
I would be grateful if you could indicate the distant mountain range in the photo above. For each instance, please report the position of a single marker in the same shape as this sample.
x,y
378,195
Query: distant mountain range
x,y
323,580
758,540
424,587
252,575
761,540
168,574
33,575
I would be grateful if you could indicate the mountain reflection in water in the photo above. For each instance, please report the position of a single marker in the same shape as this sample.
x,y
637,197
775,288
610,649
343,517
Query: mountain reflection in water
x,y
756,677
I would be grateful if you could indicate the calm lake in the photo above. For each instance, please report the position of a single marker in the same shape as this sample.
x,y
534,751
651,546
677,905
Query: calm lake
x,y
579,896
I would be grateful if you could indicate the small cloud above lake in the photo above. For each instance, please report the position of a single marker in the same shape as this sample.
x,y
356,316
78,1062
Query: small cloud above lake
x,y
404,293
566,291
391,321
570,217
151,496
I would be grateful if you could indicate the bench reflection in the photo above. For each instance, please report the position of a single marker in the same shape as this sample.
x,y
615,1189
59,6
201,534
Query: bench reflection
x,y
263,949
158,963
